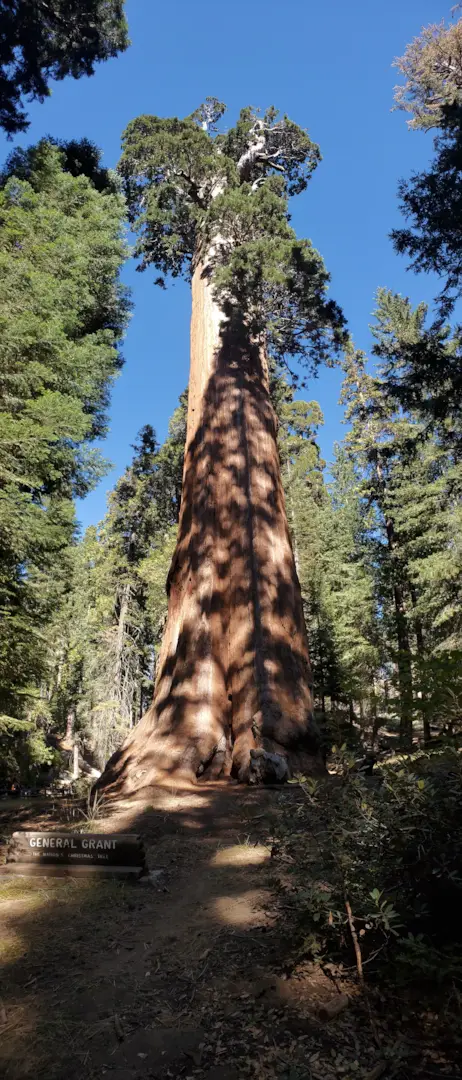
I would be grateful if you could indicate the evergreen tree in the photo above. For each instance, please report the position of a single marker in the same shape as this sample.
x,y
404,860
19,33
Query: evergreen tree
x,y
350,590
375,442
107,631
234,665
421,365
432,201
427,506
40,41
63,315
307,506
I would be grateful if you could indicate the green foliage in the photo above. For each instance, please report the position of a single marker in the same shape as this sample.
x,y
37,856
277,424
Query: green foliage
x,y
63,314
108,630
432,200
421,365
41,41
393,851
195,194
432,66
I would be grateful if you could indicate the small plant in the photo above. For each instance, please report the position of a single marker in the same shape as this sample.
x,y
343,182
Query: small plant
x,y
94,812
390,858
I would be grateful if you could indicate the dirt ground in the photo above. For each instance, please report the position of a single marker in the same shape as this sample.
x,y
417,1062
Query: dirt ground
x,y
191,975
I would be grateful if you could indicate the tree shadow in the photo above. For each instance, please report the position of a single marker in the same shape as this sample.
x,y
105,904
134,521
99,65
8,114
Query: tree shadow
x,y
234,668
91,968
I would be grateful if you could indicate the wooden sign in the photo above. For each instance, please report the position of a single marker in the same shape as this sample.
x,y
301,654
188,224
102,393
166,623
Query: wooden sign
x,y
53,853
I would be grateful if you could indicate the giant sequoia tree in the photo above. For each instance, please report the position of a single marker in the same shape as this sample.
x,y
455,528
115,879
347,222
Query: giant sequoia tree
x,y
234,671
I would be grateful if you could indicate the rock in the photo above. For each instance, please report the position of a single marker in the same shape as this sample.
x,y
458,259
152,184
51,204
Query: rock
x,y
153,877
266,768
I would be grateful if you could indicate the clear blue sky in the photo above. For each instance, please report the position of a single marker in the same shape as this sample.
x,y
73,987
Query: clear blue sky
x,y
328,65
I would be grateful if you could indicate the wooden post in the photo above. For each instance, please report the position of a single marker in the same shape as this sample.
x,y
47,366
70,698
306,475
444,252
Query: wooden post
x,y
75,769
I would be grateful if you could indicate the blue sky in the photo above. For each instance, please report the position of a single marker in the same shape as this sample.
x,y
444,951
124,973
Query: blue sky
x,y
328,65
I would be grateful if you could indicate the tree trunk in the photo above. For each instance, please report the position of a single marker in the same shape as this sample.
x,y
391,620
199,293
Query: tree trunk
x,y
404,656
234,671
70,718
422,698
351,712
122,619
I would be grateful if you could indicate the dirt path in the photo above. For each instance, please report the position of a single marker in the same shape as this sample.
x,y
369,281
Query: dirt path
x,y
187,977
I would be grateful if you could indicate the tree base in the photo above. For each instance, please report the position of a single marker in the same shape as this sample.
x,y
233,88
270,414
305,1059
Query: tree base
x,y
151,758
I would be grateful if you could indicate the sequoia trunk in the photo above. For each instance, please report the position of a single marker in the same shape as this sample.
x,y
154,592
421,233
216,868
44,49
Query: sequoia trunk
x,y
234,671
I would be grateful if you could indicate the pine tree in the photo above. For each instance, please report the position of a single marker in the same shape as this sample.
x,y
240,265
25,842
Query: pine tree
x,y
350,589
375,442
307,505
427,502
40,41
432,201
106,633
63,315
234,669
421,365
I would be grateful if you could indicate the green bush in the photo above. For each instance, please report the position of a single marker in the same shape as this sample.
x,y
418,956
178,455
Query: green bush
x,y
392,850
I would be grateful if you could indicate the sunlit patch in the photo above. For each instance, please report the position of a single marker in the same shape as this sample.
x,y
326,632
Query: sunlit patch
x,y
12,946
241,855
245,909
173,801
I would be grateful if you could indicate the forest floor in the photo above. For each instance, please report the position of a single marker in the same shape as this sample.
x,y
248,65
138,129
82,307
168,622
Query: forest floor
x,y
193,976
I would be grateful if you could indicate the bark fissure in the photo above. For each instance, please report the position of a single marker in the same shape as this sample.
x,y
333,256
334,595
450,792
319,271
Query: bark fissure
x,y
234,670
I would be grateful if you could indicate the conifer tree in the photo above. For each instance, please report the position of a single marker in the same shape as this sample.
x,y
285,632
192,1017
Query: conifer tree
x,y
350,588
106,632
427,500
374,441
40,41
432,200
234,670
307,503
63,315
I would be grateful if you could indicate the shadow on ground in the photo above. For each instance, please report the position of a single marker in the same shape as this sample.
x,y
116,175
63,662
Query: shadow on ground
x,y
180,978
195,976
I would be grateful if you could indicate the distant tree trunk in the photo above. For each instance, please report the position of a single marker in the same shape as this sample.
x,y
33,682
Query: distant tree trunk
x,y
404,655
422,696
375,718
233,671
121,623
70,719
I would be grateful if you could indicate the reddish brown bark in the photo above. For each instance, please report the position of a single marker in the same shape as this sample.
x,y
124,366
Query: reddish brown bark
x,y
234,670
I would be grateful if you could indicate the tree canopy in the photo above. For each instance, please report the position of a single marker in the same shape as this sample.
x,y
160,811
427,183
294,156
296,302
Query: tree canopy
x,y
192,190
40,42
431,201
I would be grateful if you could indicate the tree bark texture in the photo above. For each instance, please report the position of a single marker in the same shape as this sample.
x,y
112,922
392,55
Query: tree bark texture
x,y
233,672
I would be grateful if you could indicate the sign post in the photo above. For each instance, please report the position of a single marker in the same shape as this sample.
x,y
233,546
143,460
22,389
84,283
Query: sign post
x,y
61,853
